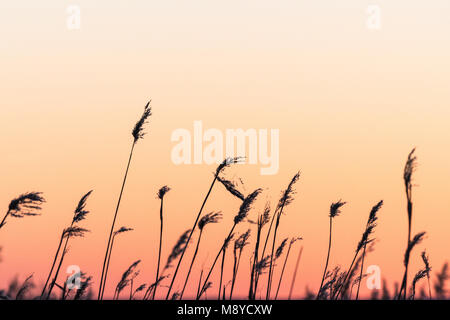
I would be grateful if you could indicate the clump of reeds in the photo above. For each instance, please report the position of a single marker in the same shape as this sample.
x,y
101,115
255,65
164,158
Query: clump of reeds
x,y
141,288
385,291
371,223
241,215
224,164
334,212
441,279
226,242
137,133
362,244
212,217
239,244
72,231
412,243
286,198
152,287
161,193
127,278
334,280
27,204
419,275
82,291
27,285
263,219
177,251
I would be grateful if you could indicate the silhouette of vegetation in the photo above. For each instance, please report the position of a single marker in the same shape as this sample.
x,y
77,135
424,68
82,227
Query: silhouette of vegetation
x,y
336,282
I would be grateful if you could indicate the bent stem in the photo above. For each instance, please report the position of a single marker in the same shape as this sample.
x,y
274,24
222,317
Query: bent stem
x,y
192,263
282,270
160,246
190,236
214,263
328,257
105,266
53,264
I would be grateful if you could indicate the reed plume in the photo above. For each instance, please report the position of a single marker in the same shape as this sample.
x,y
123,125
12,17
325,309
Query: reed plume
x,y
137,133
161,193
127,277
419,275
27,204
73,230
224,164
426,262
178,248
231,187
286,198
212,217
241,215
334,212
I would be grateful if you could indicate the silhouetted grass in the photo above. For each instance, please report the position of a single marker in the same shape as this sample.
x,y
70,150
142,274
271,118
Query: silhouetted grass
x,y
336,282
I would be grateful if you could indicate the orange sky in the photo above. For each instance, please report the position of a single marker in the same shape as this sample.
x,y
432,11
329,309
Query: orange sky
x,y
350,104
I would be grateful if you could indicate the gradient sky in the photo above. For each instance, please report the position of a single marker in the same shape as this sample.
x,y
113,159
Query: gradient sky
x,y
350,103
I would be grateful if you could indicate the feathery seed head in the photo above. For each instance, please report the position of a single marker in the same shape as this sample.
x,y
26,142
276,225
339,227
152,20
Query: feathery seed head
x,y
288,195
227,162
410,166
162,192
426,261
373,213
414,242
122,230
335,208
26,204
72,232
263,264
138,130
178,248
295,239
231,187
280,249
241,242
246,205
212,217
80,212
